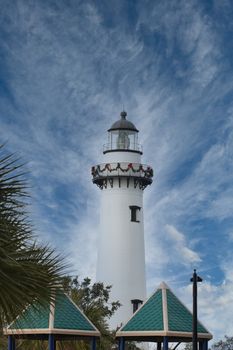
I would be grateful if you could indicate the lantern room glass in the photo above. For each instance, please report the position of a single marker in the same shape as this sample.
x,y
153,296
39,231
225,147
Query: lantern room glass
x,y
123,139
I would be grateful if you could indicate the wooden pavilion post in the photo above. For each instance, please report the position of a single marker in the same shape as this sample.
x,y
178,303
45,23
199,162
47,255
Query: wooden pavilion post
x,y
121,343
165,343
93,343
11,342
205,344
159,346
52,342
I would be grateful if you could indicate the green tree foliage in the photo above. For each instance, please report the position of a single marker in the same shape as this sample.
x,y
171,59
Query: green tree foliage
x,y
188,346
28,270
226,344
93,300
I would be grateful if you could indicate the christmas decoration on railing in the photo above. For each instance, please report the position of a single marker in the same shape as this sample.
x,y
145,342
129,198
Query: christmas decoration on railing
x,y
97,171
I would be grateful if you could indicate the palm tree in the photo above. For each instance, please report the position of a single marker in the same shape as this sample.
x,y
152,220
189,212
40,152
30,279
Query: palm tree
x,y
28,270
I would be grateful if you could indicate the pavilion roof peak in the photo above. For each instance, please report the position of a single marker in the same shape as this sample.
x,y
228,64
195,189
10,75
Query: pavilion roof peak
x,y
162,314
163,285
60,316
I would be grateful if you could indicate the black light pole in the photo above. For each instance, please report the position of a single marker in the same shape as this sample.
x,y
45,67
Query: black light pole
x,y
195,279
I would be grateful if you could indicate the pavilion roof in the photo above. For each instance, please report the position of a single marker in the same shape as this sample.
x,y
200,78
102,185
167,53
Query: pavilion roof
x,y
60,316
163,314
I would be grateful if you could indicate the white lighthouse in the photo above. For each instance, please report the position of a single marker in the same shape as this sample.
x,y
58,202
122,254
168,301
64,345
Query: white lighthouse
x,y
122,179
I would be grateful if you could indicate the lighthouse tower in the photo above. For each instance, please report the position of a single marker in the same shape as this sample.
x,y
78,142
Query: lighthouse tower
x,y
122,179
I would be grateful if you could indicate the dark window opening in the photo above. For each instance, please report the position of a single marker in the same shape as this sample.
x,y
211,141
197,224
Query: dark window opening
x,y
134,212
136,303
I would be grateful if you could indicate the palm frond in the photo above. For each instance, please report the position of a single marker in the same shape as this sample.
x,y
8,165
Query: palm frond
x,y
28,270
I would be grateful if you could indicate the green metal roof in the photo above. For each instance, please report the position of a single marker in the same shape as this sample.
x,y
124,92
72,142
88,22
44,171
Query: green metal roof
x,y
67,316
35,316
162,314
145,319
179,317
62,315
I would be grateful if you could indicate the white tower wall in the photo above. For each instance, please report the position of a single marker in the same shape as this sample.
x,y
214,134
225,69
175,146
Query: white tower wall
x,y
128,157
121,253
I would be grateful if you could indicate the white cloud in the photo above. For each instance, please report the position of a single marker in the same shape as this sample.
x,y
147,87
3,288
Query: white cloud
x,y
177,236
185,254
230,235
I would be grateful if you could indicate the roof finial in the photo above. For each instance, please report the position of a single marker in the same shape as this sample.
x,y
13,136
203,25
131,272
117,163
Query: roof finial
x,y
123,114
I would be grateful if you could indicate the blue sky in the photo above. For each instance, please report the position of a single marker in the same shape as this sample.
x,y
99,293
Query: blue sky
x,y
67,68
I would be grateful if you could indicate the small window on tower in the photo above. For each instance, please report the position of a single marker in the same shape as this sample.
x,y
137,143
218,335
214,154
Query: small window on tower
x,y
134,213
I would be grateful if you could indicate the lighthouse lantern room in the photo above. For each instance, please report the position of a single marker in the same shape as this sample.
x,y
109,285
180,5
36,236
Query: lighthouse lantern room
x,y
122,136
121,254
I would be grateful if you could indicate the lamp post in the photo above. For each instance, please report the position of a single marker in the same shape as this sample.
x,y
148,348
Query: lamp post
x,y
195,279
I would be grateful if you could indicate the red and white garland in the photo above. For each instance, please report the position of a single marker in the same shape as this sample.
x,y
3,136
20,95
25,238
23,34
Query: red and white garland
x,y
96,171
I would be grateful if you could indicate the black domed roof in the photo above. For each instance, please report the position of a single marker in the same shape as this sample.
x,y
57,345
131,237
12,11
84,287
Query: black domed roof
x,y
123,124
